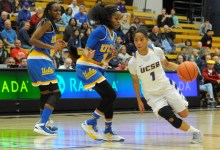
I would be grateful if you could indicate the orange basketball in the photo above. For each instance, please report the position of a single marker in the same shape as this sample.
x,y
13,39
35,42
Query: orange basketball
x,y
187,71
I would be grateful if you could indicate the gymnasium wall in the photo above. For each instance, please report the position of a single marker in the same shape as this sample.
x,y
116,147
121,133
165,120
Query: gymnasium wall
x,y
154,5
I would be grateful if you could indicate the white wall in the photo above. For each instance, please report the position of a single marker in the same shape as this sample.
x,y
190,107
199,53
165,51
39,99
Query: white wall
x,y
154,5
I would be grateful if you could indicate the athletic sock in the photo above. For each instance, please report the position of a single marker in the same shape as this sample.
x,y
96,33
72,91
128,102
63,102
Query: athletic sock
x,y
46,115
93,120
192,130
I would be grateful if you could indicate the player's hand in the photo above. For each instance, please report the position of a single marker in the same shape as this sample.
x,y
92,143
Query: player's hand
x,y
141,107
57,46
62,43
89,53
218,81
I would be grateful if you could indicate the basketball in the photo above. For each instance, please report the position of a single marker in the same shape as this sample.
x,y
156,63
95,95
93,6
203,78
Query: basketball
x,y
187,71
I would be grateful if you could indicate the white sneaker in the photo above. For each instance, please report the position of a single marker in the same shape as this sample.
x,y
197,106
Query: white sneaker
x,y
92,131
197,137
50,125
111,136
41,128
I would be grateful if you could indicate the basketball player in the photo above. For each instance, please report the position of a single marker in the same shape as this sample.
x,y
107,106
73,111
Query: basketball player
x,y
41,69
161,93
90,69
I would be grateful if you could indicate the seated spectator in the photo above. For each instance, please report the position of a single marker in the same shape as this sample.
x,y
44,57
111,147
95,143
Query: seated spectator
x,y
75,8
24,14
196,56
81,16
125,23
121,7
18,52
207,39
204,27
166,44
85,37
164,19
123,65
57,59
69,29
115,60
168,32
83,27
137,22
130,41
6,5
155,34
174,17
67,64
24,37
66,16
184,53
217,52
120,33
8,35
16,7
123,55
188,46
200,49
118,43
75,39
4,17
10,61
180,59
3,53
35,19
217,64
203,63
23,63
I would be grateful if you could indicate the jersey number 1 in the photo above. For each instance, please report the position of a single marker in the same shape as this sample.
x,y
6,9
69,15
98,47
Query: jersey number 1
x,y
153,76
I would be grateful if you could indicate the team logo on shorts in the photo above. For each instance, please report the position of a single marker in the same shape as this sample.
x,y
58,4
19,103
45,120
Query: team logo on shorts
x,y
90,73
46,71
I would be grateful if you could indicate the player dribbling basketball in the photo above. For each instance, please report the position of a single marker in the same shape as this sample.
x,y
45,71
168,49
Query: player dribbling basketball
x,y
161,93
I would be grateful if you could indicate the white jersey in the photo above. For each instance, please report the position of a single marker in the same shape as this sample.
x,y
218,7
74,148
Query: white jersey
x,y
149,70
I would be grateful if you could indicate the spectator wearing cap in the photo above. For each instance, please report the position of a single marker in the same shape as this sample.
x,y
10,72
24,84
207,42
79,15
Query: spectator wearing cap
x,y
24,14
207,39
121,7
81,17
204,27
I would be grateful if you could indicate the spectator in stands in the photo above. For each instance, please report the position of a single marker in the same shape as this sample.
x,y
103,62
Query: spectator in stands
x,y
121,7
174,17
123,65
57,59
217,64
81,16
24,14
168,32
164,19
188,45
32,8
125,23
23,36
69,29
120,33
130,41
85,37
75,39
74,7
203,63
5,5
16,7
137,22
23,63
118,43
10,61
83,27
8,35
35,19
155,34
4,17
3,53
204,27
195,54
166,44
200,49
67,16
180,59
98,1
18,52
115,60
184,53
217,52
123,55
207,39
67,64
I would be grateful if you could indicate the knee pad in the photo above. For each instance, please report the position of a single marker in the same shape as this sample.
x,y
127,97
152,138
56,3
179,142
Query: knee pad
x,y
167,113
43,100
53,98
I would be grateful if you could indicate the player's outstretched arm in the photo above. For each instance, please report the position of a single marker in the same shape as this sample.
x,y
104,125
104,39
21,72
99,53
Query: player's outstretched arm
x,y
169,65
88,53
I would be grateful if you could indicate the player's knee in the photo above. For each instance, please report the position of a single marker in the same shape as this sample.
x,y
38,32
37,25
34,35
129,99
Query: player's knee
x,y
167,113
183,113
54,97
111,95
43,99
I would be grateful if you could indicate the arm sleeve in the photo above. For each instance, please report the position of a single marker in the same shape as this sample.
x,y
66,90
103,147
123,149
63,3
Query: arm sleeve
x,y
98,34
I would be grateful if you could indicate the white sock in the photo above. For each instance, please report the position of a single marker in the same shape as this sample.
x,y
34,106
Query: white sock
x,y
192,130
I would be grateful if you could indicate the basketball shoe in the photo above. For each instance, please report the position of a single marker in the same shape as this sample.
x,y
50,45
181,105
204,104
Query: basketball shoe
x,y
197,137
41,128
50,125
109,135
92,131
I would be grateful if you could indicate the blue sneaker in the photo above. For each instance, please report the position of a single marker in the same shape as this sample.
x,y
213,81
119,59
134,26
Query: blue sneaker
x,y
92,131
41,128
50,125
109,135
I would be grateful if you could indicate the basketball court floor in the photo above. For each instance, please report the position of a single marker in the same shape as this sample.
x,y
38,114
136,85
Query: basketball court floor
x,y
141,132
